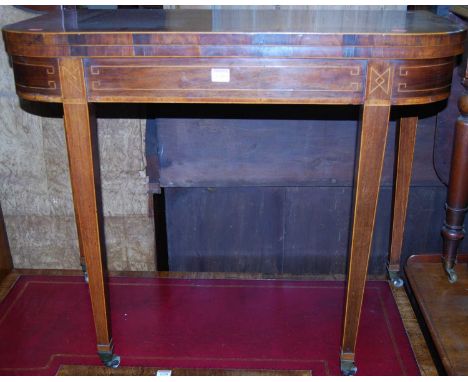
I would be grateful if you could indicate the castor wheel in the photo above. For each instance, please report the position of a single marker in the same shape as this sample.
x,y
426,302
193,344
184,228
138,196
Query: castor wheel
x,y
395,279
348,368
114,363
110,359
397,282
452,275
85,273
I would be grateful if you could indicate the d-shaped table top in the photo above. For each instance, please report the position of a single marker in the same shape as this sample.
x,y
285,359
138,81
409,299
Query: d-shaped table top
x,y
238,56
294,28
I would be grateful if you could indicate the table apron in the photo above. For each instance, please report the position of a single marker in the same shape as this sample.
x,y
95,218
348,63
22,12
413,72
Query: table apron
x,y
236,80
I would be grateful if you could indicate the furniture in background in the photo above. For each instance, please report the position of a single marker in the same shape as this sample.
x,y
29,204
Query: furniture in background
x,y
443,303
457,197
6,263
443,307
376,59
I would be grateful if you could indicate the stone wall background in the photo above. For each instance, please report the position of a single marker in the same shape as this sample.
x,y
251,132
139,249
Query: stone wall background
x,y
35,189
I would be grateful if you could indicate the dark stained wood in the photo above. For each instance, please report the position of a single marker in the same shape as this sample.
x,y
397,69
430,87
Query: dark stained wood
x,y
80,131
404,164
160,231
282,146
377,59
315,228
444,307
224,220
262,153
38,75
6,263
444,133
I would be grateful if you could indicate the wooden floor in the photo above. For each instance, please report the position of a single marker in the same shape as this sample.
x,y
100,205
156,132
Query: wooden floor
x,y
444,307
413,330
420,349
74,370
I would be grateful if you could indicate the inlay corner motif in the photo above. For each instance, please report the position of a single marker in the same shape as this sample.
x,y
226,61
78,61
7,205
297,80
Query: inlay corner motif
x,y
380,81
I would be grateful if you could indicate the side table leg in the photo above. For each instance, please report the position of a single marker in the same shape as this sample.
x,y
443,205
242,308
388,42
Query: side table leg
x,y
371,154
404,164
457,196
80,131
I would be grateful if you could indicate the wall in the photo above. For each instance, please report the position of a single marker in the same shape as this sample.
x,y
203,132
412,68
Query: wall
x,y
35,191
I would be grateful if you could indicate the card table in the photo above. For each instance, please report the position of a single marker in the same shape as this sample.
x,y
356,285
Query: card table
x,y
375,59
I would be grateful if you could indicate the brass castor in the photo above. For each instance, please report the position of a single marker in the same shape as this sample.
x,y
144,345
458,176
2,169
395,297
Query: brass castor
x,y
85,273
397,282
348,368
110,359
452,275
395,279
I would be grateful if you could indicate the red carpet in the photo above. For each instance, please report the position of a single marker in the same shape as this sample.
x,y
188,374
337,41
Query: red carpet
x,y
46,321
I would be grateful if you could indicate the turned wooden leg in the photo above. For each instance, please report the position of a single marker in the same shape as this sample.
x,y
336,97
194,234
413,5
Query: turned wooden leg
x,y
80,130
457,197
404,164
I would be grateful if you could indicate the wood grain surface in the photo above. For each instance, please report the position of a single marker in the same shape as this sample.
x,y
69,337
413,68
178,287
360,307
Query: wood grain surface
x,y
80,370
404,165
80,130
177,51
444,307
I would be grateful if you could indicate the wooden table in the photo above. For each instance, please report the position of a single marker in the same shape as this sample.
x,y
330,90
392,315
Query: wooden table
x,y
376,59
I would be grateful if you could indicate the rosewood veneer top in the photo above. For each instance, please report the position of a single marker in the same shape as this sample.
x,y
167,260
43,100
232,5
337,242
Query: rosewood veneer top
x,y
292,33
238,56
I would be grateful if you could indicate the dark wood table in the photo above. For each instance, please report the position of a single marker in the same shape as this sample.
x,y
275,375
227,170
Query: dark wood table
x,y
376,59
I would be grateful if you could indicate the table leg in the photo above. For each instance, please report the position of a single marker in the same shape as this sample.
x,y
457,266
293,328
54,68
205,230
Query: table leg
x,y
80,131
406,142
373,138
457,197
